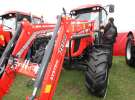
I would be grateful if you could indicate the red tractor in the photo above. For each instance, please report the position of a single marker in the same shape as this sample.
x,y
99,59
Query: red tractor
x,y
39,51
8,25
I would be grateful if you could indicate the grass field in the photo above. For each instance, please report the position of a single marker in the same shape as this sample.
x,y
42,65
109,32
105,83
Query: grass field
x,y
71,85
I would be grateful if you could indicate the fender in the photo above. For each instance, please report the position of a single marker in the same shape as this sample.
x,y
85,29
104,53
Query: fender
x,y
120,44
132,33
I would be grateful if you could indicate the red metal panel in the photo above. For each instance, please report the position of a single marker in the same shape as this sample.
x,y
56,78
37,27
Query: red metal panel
x,y
6,81
120,45
27,68
4,36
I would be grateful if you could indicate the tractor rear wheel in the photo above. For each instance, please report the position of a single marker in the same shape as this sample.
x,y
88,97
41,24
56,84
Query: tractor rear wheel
x,y
97,73
130,53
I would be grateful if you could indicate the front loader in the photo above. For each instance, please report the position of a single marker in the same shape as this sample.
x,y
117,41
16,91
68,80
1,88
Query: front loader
x,y
76,37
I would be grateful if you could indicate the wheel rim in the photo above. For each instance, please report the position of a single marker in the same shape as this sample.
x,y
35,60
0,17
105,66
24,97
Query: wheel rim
x,y
128,51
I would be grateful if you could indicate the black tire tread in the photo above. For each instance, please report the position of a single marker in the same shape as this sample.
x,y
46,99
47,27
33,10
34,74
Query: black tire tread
x,y
96,80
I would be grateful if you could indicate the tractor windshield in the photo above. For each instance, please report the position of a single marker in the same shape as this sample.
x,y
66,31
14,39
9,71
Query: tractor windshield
x,y
36,20
89,16
85,16
9,23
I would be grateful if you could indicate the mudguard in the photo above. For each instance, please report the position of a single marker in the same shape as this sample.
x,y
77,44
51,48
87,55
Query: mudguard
x,y
120,44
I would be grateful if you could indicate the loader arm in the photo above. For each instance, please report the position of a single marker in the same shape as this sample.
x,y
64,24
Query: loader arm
x,y
20,40
52,62
48,72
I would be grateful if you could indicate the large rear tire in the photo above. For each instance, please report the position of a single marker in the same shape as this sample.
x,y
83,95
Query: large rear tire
x,y
130,53
97,73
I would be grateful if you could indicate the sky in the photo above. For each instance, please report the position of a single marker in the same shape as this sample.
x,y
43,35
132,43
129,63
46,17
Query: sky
x,y
123,15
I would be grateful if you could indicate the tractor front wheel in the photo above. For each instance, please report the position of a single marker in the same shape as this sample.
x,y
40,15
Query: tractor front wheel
x,y
97,73
130,53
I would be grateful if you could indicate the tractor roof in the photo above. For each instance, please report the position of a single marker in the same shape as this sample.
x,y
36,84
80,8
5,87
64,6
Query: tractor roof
x,y
87,7
7,14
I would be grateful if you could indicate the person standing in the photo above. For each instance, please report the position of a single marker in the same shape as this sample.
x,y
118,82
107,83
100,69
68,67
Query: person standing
x,y
109,38
110,32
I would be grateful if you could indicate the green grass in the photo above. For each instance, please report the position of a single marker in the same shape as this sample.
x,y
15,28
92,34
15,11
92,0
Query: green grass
x,y
71,85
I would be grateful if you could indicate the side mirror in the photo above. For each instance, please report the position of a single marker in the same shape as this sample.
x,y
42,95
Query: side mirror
x,y
111,8
64,11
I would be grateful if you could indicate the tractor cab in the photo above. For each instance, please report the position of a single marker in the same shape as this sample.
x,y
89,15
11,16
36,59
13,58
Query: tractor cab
x,y
92,12
9,20
8,24
96,13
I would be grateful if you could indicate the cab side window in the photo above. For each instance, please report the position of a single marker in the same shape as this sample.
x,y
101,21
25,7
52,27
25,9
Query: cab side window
x,y
104,17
